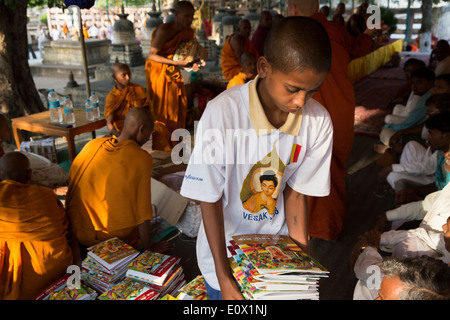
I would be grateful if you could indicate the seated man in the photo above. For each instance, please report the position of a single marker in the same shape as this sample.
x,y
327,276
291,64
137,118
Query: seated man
x,y
109,189
249,72
122,98
236,44
34,248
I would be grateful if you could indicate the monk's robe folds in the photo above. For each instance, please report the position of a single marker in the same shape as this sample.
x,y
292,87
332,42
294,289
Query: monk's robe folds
x,y
33,244
337,95
109,191
165,86
230,63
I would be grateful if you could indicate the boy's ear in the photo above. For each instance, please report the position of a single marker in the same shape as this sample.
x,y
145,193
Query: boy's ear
x,y
263,66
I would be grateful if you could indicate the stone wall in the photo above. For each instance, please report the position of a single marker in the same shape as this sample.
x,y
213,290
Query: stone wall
x,y
68,52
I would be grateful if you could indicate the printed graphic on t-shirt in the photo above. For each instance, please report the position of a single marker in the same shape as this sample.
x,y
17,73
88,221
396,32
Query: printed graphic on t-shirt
x,y
261,186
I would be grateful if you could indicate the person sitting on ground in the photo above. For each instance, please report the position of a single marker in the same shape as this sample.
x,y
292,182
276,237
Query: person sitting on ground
x,y
249,72
260,34
417,163
236,44
439,139
404,92
440,58
125,96
34,237
422,83
109,187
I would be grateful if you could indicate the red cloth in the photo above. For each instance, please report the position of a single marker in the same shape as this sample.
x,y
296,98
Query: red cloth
x,y
259,38
337,96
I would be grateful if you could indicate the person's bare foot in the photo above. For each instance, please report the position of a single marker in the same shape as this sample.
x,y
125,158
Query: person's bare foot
x,y
161,246
380,148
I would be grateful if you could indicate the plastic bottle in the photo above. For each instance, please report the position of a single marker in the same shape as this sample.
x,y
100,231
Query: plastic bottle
x,y
95,107
87,106
54,107
69,115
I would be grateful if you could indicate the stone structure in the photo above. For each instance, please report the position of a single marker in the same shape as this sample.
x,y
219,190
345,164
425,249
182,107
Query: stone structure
x,y
68,52
124,47
150,25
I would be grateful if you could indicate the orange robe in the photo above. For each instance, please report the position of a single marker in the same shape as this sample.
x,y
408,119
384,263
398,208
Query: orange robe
x,y
119,102
326,214
229,62
165,86
236,80
33,244
109,191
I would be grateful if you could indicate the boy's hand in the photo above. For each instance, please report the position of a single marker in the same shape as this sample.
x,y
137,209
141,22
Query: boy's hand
x,y
230,290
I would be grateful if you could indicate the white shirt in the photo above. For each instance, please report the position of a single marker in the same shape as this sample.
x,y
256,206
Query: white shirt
x,y
229,168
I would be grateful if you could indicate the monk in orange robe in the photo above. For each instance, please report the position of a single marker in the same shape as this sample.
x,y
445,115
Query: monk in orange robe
x,y
326,214
34,248
165,86
235,45
127,95
109,187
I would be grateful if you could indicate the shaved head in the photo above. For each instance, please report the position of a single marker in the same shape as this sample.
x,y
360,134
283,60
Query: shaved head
x,y
305,46
304,8
182,6
138,126
15,166
117,67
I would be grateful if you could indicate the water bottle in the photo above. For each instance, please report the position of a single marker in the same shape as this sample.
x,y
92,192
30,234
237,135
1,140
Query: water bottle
x,y
87,106
95,107
54,107
69,115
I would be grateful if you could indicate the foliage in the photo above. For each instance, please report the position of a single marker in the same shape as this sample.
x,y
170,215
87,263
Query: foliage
x,y
389,19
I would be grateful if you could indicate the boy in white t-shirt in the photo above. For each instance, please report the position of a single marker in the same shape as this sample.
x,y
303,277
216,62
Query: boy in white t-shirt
x,y
260,148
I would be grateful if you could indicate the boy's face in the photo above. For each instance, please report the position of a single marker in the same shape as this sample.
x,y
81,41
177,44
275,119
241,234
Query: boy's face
x,y
249,68
437,139
440,86
122,78
185,17
420,85
288,92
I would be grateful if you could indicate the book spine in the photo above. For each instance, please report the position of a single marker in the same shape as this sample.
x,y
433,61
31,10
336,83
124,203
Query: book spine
x,y
165,266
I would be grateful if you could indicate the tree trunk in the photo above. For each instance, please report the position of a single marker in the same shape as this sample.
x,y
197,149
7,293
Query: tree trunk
x,y
425,29
18,94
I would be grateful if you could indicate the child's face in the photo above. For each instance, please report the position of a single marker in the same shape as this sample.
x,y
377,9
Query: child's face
x,y
249,68
420,85
122,78
288,92
440,86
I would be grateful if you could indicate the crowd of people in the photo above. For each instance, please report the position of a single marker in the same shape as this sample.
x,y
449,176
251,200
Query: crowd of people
x,y
295,108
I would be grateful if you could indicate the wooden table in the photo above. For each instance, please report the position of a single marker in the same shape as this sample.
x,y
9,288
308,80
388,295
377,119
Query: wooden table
x,y
40,123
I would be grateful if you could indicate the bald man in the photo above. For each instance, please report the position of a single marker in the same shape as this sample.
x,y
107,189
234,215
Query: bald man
x,y
109,190
235,45
165,86
34,248
337,96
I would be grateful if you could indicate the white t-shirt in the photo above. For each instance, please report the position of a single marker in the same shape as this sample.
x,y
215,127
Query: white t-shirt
x,y
229,157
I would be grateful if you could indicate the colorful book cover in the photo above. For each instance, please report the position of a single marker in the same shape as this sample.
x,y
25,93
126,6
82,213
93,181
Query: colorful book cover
x,y
276,253
112,252
59,290
196,289
129,290
152,267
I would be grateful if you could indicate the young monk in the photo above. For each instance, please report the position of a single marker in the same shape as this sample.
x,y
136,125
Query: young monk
x,y
236,44
125,96
248,63
337,96
165,86
109,187
277,129
34,248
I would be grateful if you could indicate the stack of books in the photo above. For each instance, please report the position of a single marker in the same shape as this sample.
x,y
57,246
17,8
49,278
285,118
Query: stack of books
x,y
106,264
129,289
64,289
273,267
162,273
194,290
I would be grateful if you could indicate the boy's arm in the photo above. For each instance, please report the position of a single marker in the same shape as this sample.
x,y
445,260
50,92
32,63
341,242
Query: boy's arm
x,y
212,215
110,126
296,211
